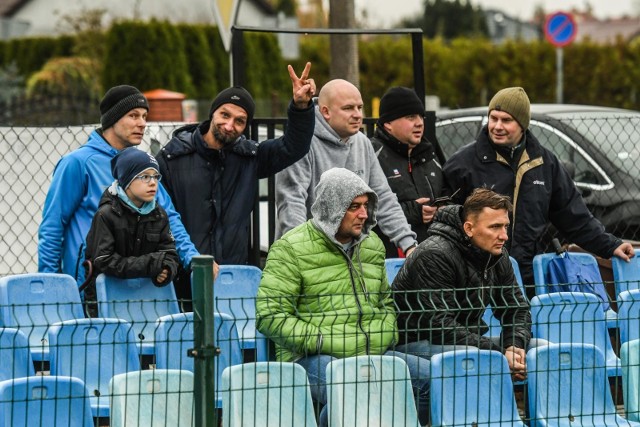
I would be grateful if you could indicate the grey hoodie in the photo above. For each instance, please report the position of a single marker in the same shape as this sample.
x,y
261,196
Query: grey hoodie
x,y
296,185
335,192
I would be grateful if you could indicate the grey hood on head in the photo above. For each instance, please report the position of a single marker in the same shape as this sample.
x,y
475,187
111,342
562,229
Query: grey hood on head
x,y
334,193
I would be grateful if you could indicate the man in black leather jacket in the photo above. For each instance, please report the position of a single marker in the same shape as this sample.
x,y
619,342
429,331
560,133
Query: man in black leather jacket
x,y
444,286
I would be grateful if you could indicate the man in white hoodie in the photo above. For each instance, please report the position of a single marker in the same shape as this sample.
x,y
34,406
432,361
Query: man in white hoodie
x,y
338,142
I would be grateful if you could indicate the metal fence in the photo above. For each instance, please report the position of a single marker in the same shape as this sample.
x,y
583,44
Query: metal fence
x,y
589,373
601,152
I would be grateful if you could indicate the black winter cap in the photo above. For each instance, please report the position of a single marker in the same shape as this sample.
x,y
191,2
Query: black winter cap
x,y
234,95
118,101
399,102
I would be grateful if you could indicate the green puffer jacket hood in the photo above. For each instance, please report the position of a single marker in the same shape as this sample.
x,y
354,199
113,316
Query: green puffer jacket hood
x,y
334,193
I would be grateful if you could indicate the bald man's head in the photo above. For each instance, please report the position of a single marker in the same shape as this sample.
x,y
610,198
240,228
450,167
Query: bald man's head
x,y
341,105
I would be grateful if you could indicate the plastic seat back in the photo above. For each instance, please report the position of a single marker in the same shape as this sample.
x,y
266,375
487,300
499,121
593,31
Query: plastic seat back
x,y
568,386
393,265
629,315
162,397
472,387
266,394
174,337
235,291
516,271
93,350
139,302
630,358
495,328
46,401
541,267
33,302
626,275
370,391
573,317
15,357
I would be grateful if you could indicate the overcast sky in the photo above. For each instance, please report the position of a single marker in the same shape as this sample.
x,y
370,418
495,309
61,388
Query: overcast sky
x,y
384,13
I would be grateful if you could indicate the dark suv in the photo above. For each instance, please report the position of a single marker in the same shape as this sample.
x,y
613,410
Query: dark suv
x,y
600,147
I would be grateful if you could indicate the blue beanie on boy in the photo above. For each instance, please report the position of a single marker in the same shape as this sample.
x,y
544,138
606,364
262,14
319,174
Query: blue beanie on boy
x,y
127,164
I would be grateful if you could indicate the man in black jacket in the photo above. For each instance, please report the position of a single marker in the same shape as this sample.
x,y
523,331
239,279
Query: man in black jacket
x,y
211,171
508,159
444,286
408,160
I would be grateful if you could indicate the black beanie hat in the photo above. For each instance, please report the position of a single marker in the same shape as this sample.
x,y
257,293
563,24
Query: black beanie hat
x,y
399,102
118,101
128,163
234,95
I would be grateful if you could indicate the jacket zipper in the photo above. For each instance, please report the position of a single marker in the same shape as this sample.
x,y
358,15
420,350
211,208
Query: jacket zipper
x,y
485,274
355,293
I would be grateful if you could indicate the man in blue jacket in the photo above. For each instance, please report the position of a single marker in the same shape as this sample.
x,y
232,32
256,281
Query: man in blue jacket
x,y
81,177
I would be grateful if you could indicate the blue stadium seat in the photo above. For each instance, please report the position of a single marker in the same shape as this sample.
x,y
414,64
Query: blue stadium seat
x,y
573,317
32,302
367,391
153,397
629,315
266,394
516,271
15,357
568,386
472,387
393,265
235,291
44,401
174,337
93,350
630,358
541,266
139,302
626,275
495,328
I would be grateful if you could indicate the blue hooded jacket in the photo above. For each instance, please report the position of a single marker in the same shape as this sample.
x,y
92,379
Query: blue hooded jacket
x,y
78,182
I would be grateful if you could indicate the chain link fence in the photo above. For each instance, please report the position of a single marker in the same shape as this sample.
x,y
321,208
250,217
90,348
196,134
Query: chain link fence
x,y
599,147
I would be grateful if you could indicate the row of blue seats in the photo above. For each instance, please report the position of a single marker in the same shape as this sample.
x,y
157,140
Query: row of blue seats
x,y
567,382
95,372
33,302
567,385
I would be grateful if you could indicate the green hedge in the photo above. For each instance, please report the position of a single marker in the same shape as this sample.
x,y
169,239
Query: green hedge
x,y
462,73
467,72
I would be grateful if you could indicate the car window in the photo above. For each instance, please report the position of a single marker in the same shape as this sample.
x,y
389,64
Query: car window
x,y
617,136
455,133
583,170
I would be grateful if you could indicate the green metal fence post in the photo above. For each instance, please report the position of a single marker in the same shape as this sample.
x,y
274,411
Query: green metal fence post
x,y
204,349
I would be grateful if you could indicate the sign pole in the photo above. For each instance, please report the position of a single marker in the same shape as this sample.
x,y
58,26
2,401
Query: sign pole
x,y
560,30
559,75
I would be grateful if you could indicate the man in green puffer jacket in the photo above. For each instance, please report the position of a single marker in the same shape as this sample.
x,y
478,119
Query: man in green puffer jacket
x,y
324,292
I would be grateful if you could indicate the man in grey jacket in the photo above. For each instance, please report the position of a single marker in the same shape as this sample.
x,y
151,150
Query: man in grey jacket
x,y
338,142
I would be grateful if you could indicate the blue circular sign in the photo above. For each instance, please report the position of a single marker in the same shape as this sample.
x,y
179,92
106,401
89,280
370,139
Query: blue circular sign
x,y
560,29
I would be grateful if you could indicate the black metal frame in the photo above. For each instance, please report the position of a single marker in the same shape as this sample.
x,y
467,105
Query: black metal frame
x,y
238,77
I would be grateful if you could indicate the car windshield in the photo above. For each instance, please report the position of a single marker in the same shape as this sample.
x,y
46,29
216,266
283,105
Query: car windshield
x,y
617,135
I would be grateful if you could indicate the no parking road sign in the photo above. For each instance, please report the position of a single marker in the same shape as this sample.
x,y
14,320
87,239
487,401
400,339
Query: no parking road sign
x,y
560,29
